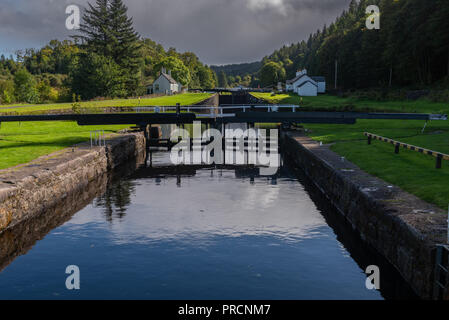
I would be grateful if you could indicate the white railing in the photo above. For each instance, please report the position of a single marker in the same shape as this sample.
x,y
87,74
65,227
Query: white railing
x,y
214,111
97,139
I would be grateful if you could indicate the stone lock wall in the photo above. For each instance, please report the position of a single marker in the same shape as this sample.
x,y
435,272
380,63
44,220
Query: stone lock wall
x,y
29,190
401,227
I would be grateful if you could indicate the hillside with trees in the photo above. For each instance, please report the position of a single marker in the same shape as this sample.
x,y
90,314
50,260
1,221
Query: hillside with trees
x,y
411,49
232,75
107,58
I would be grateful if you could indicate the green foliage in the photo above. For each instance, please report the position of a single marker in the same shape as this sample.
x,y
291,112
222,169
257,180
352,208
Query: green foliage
x,y
6,97
272,73
25,87
241,69
155,57
412,45
6,91
108,32
207,78
44,90
8,66
244,74
94,75
222,80
177,67
54,58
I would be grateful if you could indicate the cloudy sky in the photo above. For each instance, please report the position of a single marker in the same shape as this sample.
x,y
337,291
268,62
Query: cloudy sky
x,y
218,31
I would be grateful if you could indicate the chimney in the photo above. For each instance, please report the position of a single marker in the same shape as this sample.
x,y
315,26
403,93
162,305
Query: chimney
x,y
169,73
301,72
163,70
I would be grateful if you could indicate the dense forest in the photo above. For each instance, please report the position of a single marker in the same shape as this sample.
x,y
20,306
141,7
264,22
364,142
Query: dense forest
x,y
411,49
232,75
111,61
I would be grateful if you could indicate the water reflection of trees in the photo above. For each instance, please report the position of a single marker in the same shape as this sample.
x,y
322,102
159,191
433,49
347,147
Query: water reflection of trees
x,y
120,188
116,200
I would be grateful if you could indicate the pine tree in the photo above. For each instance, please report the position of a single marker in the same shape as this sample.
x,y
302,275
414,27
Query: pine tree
x,y
108,31
222,80
95,30
125,43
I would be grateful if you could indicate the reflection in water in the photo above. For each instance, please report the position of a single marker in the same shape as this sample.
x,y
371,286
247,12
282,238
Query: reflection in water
x,y
188,232
21,238
116,199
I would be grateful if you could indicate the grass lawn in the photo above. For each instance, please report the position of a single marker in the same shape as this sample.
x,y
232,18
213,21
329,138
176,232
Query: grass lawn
x,y
22,142
183,99
333,103
412,171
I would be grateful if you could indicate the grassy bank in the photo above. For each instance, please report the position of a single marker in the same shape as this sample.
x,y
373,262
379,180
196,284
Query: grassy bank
x,y
22,142
412,171
183,99
333,103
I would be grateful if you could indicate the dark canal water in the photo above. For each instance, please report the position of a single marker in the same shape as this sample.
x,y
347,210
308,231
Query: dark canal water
x,y
192,233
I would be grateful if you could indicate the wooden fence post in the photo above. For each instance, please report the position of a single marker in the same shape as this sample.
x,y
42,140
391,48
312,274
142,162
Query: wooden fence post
x,y
396,148
439,158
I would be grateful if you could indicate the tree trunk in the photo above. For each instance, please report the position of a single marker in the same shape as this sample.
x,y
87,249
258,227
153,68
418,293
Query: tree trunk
x,y
391,76
336,73
448,61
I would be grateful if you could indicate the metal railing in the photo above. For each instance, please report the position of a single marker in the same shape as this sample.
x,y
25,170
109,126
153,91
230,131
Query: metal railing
x,y
97,139
215,111
441,272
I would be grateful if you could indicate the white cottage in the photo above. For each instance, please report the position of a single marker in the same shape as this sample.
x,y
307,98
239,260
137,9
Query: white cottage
x,y
321,81
306,86
303,85
165,84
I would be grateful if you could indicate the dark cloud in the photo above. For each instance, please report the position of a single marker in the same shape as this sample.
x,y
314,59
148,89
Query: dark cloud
x,y
218,31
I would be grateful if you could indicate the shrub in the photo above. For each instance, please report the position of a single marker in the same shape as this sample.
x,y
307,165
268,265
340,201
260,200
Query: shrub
x,y
25,87
6,91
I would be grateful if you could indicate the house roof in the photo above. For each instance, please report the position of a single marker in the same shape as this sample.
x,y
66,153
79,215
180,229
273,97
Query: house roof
x,y
316,79
319,79
305,81
295,79
169,78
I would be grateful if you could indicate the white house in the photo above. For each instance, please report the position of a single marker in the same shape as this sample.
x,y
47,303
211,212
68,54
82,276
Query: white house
x,y
165,84
303,85
321,81
306,86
